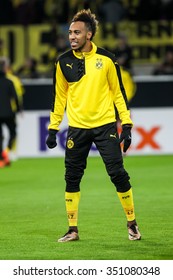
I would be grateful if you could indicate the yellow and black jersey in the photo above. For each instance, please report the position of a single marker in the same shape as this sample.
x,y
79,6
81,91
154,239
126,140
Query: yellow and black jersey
x,y
89,86
18,87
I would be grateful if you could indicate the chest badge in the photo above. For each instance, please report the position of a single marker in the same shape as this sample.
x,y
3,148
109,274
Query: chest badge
x,y
99,63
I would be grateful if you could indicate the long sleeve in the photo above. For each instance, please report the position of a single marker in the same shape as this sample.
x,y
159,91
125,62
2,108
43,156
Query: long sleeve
x,y
119,95
60,89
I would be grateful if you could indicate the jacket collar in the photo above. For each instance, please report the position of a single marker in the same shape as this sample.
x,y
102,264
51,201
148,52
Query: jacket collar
x,y
86,55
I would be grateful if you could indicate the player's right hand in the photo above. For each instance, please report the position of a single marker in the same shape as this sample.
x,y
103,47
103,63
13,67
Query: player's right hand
x,y
51,139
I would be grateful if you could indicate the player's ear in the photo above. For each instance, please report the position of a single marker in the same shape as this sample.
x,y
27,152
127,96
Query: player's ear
x,y
89,35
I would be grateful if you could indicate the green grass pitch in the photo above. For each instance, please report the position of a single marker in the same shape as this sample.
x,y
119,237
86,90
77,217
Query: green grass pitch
x,y
33,216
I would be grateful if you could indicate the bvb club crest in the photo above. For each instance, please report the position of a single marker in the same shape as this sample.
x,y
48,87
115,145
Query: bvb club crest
x,y
99,63
70,144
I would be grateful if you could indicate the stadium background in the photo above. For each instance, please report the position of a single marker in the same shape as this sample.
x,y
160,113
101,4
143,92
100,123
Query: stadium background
x,y
149,41
149,34
32,189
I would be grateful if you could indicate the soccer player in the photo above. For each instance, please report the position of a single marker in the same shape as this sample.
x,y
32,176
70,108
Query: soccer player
x,y
8,107
129,83
88,85
20,92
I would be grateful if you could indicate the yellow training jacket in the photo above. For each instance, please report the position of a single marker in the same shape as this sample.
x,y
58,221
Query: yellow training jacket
x,y
89,86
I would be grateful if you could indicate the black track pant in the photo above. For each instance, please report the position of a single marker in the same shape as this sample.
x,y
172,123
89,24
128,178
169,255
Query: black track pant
x,y
11,125
78,145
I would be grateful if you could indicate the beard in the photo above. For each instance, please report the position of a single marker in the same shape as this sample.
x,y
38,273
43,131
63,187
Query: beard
x,y
81,47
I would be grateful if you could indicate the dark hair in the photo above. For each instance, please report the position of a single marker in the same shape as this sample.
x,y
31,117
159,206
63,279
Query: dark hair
x,y
88,18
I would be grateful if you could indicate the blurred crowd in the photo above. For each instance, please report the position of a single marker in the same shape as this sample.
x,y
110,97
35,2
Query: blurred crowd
x,y
54,12
40,11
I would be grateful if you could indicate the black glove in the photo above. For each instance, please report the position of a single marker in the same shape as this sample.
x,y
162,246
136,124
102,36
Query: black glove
x,y
51,139
126,136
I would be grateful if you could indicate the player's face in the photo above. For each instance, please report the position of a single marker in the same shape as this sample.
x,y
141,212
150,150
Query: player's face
x,y
79,37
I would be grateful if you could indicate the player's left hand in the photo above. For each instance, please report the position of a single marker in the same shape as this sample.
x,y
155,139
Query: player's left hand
x,y
126,136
